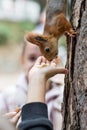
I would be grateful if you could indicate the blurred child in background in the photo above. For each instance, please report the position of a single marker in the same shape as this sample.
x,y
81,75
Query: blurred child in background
x,y
15,96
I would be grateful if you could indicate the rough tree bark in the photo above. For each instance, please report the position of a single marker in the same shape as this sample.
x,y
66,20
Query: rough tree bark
x,y
75,93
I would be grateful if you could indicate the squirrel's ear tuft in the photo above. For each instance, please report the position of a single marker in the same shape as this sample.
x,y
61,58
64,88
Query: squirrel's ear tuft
x,y
41,38
35,38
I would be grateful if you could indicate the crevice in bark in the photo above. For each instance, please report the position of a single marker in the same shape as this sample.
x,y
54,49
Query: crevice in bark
x,y
82,9
65,107
73,42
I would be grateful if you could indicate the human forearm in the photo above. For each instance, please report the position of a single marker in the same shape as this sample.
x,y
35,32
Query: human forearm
x,y
38,77
37,89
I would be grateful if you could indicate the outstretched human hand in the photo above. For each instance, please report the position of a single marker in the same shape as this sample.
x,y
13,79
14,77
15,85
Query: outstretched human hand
x,y
38,76
46,69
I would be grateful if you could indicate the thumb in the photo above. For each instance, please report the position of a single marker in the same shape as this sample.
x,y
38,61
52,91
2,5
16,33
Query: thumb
x,y
55,71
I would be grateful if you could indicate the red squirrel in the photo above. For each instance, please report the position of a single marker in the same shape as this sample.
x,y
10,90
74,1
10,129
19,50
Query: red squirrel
x,y
56,25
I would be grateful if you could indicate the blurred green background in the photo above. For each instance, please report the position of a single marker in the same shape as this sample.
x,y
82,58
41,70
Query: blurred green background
x,y
13,32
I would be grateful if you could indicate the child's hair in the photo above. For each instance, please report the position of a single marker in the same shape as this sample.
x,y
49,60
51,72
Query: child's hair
x,y
5,124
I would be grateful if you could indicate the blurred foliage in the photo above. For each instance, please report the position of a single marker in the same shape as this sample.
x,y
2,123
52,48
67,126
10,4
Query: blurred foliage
x,y
4,34
13,32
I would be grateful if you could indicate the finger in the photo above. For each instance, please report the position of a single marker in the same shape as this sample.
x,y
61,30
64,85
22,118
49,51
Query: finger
x,y
47,62
62,71
59,71
54,71
57,60
38,61
15,119
17,109
53,64
43,59
10,114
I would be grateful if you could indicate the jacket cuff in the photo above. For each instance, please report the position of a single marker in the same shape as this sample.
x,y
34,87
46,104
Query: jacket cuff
x,y
33,110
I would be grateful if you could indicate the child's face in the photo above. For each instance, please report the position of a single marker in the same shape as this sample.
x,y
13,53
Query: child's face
x,y
32,52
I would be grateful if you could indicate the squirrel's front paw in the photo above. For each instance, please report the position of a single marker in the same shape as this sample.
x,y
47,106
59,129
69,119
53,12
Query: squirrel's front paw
x,y
71,33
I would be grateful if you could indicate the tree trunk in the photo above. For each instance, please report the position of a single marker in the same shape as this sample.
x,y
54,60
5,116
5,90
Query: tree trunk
x,y
75,93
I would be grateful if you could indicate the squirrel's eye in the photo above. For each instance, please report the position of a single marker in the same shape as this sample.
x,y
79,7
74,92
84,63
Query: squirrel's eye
x,y
47,49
